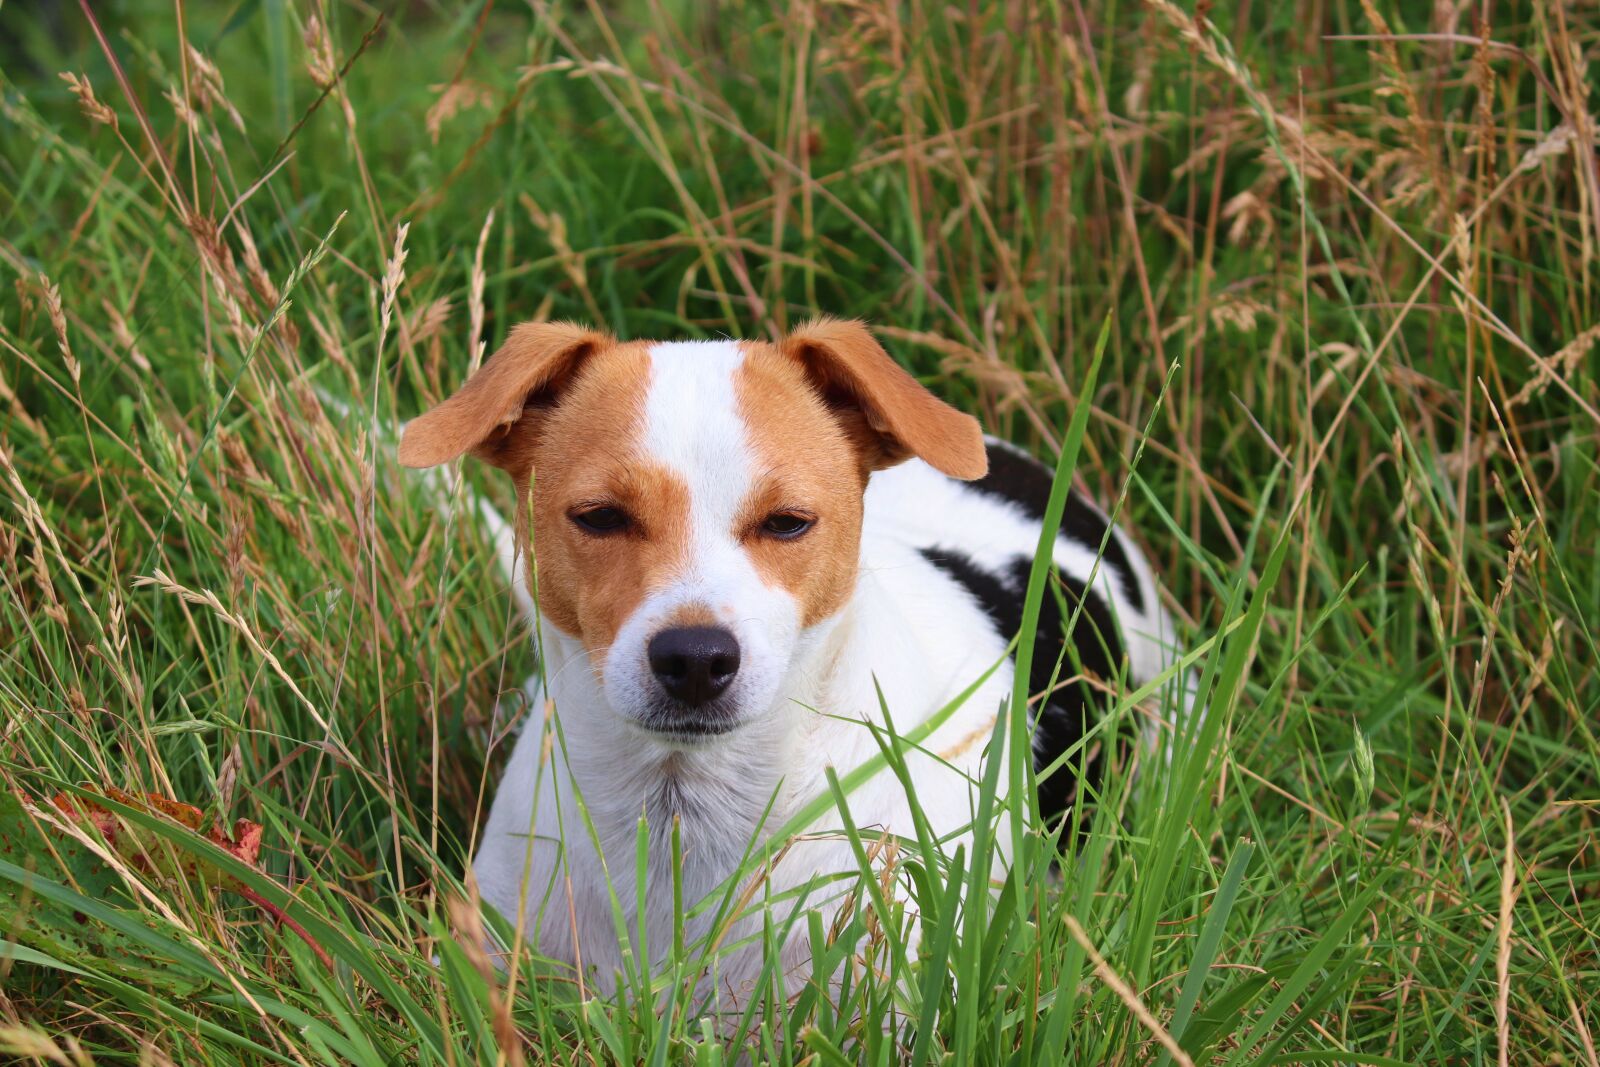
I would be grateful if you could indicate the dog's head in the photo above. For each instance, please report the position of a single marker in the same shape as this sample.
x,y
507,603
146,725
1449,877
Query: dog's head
x,y
696,507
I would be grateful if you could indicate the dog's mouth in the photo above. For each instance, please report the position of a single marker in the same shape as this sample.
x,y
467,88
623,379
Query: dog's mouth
x,y
674,722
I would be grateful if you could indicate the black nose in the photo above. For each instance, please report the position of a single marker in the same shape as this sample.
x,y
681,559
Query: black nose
x,y
694,664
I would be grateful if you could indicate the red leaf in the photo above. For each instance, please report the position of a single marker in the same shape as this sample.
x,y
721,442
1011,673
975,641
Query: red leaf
x,y
156,857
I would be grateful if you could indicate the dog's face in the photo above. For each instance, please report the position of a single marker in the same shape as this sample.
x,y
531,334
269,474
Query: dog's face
x,y
696,507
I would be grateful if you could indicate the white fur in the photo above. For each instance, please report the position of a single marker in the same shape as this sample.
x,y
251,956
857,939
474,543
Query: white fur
x,y
908,630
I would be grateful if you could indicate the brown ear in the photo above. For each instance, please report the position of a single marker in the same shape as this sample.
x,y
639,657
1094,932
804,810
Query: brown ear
x,y
892,416
483,415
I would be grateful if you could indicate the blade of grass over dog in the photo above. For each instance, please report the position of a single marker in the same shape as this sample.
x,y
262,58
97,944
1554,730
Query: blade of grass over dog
x,y
894,748
869,877
1024,798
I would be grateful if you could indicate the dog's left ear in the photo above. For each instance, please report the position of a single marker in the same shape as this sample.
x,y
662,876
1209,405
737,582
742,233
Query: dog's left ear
x,y
890,416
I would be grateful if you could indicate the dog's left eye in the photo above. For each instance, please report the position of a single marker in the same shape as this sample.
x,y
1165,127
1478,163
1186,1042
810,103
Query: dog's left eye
x,y
601,520
786,525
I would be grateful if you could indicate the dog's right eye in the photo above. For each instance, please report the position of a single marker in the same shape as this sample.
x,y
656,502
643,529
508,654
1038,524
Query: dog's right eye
x,y
600,520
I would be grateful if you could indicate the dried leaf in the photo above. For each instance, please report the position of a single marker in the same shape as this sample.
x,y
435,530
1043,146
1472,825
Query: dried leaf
x,y
160,857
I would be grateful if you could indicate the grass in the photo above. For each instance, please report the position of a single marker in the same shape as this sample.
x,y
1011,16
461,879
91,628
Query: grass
x,y
1349,255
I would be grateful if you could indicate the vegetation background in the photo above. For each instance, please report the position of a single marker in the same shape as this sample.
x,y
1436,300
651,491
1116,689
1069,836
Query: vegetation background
x,y
1349,253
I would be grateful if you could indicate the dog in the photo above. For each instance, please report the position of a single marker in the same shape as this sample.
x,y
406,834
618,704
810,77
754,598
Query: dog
x,y
742,553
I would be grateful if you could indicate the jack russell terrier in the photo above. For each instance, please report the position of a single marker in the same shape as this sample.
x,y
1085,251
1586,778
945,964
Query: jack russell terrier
x,y
737,547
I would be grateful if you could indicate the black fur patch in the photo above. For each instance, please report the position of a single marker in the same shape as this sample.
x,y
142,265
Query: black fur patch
x,y
1025,482
1066,715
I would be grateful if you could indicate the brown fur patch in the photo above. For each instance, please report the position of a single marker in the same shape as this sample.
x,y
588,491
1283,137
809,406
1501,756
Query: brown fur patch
x,y
804,461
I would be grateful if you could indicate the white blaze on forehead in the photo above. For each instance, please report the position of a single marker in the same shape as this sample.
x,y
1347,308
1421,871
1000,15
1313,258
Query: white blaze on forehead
x,y
693,427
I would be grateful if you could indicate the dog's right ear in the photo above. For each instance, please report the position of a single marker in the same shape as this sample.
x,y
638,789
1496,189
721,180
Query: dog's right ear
x,y
485,415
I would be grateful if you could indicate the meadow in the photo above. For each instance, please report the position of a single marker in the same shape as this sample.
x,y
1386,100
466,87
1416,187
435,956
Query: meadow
x,y
1344,260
